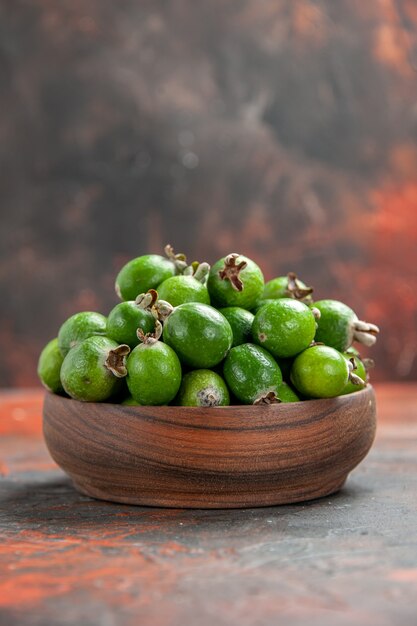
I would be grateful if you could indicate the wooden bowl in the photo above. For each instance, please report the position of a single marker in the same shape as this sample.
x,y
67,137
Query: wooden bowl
x,y
223,457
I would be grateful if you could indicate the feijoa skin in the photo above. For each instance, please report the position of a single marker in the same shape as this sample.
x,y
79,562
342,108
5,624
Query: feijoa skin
x,y
153,373
320,372
251,373
85,374
79,327
199,334
241,322
203,388
359,370
276,288
284,327
339,326
180,289
287,287
124,320
49,367
286,393
141,274
235,280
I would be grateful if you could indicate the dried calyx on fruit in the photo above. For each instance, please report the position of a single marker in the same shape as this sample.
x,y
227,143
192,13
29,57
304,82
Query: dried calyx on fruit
x,y
296,289
91,371
150,338
231,271
235,280
289,286
339,326
268,398
179,260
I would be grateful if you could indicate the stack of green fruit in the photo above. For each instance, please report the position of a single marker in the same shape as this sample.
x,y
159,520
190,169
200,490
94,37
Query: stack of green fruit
x,y
191,335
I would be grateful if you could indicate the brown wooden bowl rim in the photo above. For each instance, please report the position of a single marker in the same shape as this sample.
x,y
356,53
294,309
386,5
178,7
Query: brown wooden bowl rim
x,y
256,411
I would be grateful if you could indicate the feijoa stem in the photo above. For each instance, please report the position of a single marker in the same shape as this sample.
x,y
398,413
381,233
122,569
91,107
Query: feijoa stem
x,y
295,290
354,378
268,398
146,301
116,360
163,310
179,260
316,312
150,338
365,333
231,271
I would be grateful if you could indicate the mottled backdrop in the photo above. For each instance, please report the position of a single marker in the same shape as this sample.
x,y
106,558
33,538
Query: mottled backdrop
x,y
284,130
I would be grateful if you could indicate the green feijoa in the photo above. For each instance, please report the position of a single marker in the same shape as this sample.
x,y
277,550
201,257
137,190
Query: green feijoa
x,y
203,388
180,289
251,373
147,272
49,367
153,373
141,274
320,372
93,369
125,319
235,280
79,327
288,286
241,322
199,334
338,326
286,393
285,327
359,370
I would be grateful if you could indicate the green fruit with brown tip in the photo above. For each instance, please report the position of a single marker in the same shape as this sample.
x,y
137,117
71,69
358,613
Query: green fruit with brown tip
x,y
153,372
359,370
288,286
203,388
49,367
338,326
79,327
252,374
235,280
125,319
93,369
320,372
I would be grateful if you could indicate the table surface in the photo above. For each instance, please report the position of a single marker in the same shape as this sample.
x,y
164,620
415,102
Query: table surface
x,y
68,560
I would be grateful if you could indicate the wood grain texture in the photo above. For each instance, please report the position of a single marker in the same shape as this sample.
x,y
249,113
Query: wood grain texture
x,y
223,457
69,560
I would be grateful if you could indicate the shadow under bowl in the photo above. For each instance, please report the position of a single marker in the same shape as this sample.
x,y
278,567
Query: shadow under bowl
x,y
220,457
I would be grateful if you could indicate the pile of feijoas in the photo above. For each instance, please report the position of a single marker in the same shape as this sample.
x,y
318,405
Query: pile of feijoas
x,y
194,335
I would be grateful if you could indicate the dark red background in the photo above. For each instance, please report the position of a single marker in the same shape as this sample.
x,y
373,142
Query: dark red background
x,y
282,130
